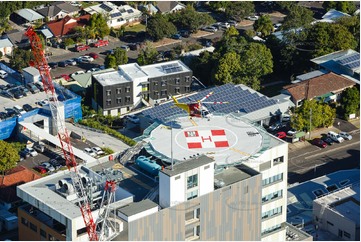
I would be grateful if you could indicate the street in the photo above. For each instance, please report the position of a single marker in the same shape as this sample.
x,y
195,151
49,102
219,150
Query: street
x,y
310,162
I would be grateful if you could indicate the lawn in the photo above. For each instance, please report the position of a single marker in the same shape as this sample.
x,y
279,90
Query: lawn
x,y
135,28
85,4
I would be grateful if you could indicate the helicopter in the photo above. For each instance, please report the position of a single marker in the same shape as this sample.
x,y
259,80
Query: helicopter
x,y
195,108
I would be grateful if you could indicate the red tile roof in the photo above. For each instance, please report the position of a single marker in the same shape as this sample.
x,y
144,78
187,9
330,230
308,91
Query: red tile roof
x,y
17,176
318,86
63,26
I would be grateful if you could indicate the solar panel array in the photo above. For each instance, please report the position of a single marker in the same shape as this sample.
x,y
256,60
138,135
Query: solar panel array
x,y
130,11
238,98
114,15
171,68
105,7
351,61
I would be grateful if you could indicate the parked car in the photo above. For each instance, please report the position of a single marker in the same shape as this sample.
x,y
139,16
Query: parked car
x,y
100,43
176,36
24,154
56,164
90,152
319,142
39,148
232,23
98,150
48,166
253,18
132,118
125,47
19,110
225,25
39,86
31,151
3,115
93,70
276,126
40,169
93,55
184,33
82,48
210,28
86,59
286,119
328,140
276,26
281,135
335,136
10,112
43,102
3,74
291,132
62,64
17,94
345,135
53,65
65,77
70,62
32,88
217,25
77,73
27,107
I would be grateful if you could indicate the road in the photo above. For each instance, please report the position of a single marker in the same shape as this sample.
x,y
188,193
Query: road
x,y
310,162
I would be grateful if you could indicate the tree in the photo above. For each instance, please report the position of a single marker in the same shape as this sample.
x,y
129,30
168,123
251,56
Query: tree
x,y
329,38
229,66
320,114
8,156
120,56
110,61
353,26
264,25
218,5
350,101
148,54
20,59
343,6
158,27
98,27
298,17
239,10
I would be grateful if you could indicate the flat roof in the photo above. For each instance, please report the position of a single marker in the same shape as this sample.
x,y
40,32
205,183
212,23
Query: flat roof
x,y
187,165
226,139
133,70
137,207
32,70
231,175
111,78
311,74
165,68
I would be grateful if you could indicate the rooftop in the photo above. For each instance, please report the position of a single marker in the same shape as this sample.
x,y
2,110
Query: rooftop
x,y
133,70
333,14
231,175
167,68
311,74
187,165
5,43
29,14
114,11
137,207
111,78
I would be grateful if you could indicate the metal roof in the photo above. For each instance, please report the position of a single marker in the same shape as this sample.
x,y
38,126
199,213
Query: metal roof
x,y
29,14
311,74
47,33
334,14
165,68
5,43
32,70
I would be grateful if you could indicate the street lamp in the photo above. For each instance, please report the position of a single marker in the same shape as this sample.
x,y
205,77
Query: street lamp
x,y
310,121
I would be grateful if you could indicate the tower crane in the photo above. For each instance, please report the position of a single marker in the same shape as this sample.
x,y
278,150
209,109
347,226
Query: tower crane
x,y
41,64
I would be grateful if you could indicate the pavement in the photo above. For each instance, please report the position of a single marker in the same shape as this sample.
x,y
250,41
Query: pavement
x,y
339,125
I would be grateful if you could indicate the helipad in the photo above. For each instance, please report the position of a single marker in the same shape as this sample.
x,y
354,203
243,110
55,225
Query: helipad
x,y
225,138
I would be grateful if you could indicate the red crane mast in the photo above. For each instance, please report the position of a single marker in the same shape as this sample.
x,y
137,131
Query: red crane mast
x,y
41,64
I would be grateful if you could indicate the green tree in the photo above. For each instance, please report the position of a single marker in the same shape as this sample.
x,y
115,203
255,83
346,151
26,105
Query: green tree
x,y
229,66
148,54
218,5
343,6
120,56
298,17
20,59
350,101
98,27
110,61
239,10
264,25
8,156
353,26
158,27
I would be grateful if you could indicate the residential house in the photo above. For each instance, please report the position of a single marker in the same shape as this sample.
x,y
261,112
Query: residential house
x,y
117,15
6,47
149,8
63,27
25,16
58,10
343,62
17,38
328,86
8,183
331,16
165,7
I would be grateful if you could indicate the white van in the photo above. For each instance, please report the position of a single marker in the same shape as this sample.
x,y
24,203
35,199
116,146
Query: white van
x,y
19,109
335,137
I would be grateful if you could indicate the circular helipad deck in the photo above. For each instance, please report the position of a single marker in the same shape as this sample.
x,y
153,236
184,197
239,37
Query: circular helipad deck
x,y
226,139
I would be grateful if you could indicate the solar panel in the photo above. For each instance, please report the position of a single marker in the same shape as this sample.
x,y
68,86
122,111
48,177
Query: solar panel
x,y
114,15
353,64
130,11
349,59
105,7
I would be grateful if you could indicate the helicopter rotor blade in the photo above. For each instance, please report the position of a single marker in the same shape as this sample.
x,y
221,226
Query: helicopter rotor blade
x,y
207,96
216,102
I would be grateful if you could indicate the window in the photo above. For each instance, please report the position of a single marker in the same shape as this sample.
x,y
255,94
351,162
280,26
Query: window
x,y
272,196
191,195
33,227
246,190
108,92
187,89
108,102
156,93
347,235
119,100
164,83
192,181
278,160
273,179
42,233
24,221
163,92
119,90
155,83
206,167
127,89
272,212
187,78
177,90
177,81
81,231
127,99
193,214
271,229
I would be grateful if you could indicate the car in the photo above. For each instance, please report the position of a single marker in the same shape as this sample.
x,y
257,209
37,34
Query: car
x,y
3,74
56,164
90,152
3,87
98,150
24,90
225,25
27,107
125,47
71,62
276,126
3,116
77,73
253,18
109,52
53,65
286,119
291,132
24,154
176,36
43,102
133,119
48,166
86,59
328,140
232,23
281,135
276,26
6,94
335,136
93,70
32,88
10,112
19,110
39,148
40,169
93,55
345,135
217,25
210,29
184,33
100,43
39,85
31,151
82,48
319,142
65,77
18,94
62,64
